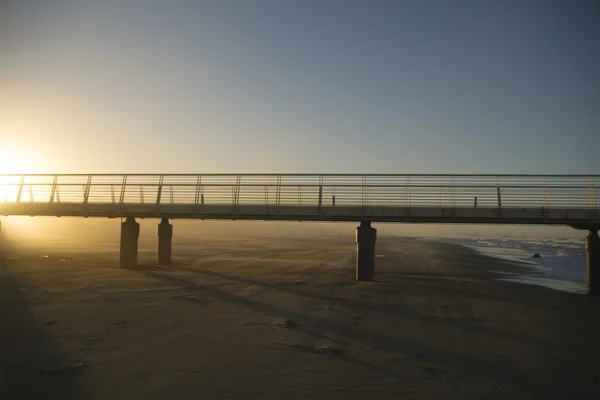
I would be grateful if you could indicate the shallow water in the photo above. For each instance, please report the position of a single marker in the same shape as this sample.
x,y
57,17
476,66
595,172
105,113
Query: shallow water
x,y
561,266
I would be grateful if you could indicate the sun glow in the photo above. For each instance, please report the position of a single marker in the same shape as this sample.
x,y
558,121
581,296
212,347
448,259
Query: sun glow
x,y
12,163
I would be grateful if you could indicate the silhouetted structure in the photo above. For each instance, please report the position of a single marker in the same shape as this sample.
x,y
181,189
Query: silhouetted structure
x,y
366,237
165,241
130,233
592,248
495,199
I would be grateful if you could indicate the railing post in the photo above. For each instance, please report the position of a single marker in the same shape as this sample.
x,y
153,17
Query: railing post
x,y
453,191
408,190
159,192
278,193
53,191
592,193
267,196
499,196
86,193
198,190
320,195
363,192
238,183
123,186
236,195
20,192
545,200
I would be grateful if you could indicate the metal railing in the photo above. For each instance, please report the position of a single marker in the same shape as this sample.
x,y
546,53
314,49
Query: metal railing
x,y
275,190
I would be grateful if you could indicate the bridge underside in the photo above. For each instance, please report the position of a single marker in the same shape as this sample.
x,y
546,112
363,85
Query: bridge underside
x,y
554,216
366,235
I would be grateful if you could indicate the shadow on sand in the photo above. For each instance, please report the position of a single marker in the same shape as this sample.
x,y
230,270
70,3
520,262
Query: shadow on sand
x,y
31,367
444,288
339,332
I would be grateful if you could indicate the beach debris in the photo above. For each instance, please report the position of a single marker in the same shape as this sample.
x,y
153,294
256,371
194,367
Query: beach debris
x,y
189,297
326,350
331,350
288,323
332,306
44,256
122,324
536,255
64,368
50,324
430,368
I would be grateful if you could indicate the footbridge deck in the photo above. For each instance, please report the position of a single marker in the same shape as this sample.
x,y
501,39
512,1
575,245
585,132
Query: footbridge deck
x,y
512,199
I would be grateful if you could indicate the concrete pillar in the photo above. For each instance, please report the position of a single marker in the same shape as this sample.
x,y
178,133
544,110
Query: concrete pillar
x,y
130,232
366,236
1,247
165,241
592,249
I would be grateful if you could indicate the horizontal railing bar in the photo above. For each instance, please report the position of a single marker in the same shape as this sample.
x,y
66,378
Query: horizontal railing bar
x,y
244,185
290,206
313,175
441,191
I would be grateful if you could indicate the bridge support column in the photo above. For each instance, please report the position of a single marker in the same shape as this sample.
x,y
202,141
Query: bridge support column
x,y
130,233
592,249
165,242
366,236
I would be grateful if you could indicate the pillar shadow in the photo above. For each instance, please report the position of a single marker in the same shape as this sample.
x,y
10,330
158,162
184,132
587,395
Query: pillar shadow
x,y
464,289
274,312
497,370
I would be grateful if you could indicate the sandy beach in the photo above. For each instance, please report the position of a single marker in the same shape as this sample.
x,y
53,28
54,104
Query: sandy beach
x,y
260,317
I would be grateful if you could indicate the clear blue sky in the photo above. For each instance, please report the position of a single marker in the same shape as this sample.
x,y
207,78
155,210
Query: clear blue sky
x,y
301,86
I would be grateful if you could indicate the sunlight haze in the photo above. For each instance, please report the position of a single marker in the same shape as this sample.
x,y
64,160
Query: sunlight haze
x,y
307,86
299,199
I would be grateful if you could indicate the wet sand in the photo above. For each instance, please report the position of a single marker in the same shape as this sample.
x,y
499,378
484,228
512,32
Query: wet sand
x,y
433,325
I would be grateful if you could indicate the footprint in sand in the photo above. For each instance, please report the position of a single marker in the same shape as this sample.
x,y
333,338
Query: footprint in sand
x,y
50,324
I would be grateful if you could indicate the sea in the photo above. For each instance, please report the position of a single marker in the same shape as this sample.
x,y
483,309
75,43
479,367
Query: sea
x,y
561,265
